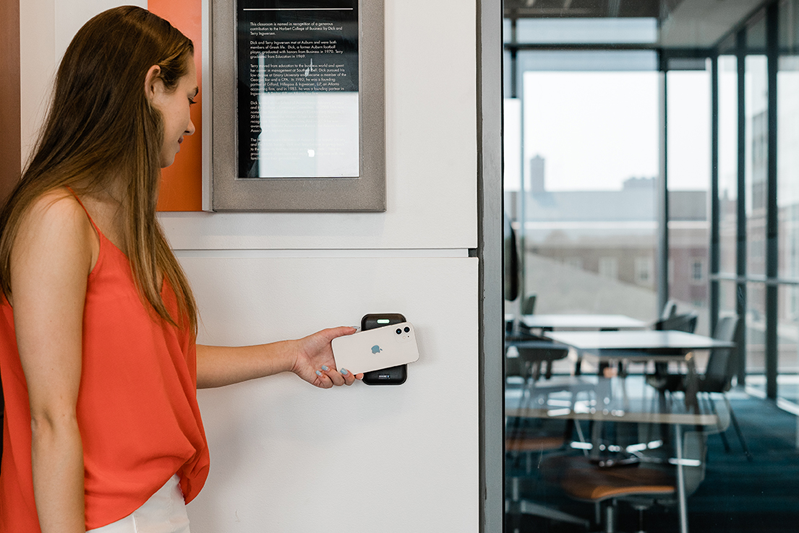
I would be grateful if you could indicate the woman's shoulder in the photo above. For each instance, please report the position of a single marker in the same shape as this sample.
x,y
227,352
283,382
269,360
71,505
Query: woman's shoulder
x,y
55,219
54,208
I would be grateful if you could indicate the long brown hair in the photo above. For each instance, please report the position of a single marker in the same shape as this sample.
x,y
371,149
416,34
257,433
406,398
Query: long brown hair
x,y
101,131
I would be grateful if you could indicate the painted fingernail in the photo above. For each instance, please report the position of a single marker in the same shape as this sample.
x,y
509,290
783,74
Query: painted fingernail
x,y
318,373
325,368
344,372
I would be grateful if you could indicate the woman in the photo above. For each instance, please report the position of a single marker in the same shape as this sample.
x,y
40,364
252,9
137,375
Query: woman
x,y
97,321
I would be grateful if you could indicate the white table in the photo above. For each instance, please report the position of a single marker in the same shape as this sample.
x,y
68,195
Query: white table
x,y
641,346
582,322
648,343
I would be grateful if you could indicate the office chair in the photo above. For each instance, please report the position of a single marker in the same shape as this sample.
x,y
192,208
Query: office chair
x,y
669,310
685,322
528,304
643,485
717,378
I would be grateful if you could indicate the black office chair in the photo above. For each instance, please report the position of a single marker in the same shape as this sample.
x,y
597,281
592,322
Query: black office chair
x,y
717,378
683,322
528,304
669,310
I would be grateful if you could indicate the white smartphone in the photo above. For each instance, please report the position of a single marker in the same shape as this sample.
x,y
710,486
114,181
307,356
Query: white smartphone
x,y
377,348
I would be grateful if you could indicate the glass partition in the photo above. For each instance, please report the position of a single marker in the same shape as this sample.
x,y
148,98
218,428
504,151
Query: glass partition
x,y
595,127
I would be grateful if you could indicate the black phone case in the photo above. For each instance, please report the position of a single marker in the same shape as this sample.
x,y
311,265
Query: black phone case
x,y
396,375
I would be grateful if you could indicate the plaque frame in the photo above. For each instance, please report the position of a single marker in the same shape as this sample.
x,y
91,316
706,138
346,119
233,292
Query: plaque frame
x,y
364,193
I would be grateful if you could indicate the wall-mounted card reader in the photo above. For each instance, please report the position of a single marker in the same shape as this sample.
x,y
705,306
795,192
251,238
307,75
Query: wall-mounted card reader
x,y
395,375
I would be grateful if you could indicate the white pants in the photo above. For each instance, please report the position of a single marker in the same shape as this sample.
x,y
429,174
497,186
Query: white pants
x,y
164,512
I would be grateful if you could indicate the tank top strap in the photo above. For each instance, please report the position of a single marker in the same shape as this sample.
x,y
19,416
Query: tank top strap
x,y
97,229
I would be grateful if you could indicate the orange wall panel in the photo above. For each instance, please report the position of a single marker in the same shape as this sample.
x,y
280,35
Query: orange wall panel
x,y
181,183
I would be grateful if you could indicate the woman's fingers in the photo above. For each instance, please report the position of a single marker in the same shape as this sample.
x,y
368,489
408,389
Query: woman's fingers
x,y
323,380
328,377
349,379
334,376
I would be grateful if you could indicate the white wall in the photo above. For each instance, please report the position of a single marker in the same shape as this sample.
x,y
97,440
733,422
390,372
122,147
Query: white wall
x,y
285,456
46,28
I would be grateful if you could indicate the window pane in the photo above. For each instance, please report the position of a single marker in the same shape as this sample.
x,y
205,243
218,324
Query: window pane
x,y
788,200
788,164
788,337
728,162
756,162
591,157
688,122
755,332
728,298
756,87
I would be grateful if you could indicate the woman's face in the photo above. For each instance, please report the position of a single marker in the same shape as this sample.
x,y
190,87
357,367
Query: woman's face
x,y
175,111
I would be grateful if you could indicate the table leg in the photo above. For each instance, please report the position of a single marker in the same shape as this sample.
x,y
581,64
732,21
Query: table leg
x,y
692,386
681,499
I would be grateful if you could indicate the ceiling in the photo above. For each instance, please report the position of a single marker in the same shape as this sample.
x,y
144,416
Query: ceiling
x,y
682,23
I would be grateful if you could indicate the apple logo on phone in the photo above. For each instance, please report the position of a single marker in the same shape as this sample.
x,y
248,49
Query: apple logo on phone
x,y
376,349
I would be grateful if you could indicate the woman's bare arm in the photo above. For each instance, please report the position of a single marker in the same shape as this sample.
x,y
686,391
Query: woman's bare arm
x,y
50,262
311,358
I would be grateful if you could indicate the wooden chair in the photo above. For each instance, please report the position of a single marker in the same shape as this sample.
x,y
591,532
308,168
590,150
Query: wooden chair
x,y
642,485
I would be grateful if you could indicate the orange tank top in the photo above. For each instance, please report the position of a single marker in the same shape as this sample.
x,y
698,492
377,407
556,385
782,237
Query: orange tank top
x,y
137,403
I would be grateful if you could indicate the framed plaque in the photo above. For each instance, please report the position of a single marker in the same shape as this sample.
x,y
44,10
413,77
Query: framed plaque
x,y
298,107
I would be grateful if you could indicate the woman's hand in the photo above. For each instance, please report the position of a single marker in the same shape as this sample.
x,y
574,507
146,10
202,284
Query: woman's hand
x,y
315,363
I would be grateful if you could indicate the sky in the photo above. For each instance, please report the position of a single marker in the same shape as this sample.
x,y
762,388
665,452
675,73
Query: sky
x,y
597,129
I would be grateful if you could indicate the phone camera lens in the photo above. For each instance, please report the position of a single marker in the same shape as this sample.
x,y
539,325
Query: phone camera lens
x,y
407,329
399,331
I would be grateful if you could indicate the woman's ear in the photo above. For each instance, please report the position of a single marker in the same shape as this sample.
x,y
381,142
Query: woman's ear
x,y
153,82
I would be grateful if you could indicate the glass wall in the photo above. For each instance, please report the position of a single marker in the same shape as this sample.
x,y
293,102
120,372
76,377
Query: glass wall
x,y
595,128
756,176
728,162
